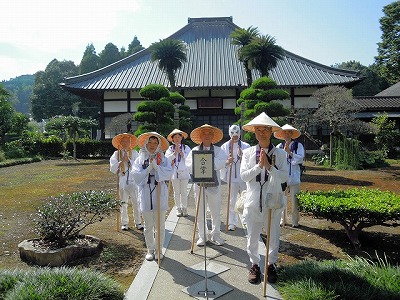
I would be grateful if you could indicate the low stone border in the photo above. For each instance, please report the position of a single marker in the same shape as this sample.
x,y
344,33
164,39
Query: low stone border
x,y
29,252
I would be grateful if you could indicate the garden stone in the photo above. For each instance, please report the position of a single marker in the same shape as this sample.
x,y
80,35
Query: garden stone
x,y
30,251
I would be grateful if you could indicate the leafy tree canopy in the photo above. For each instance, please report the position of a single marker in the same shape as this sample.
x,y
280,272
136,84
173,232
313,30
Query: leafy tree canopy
x,y
170,54
70,127
20,89
372,84
262,53
6,114
134,46
242,37
388,59
90,60
158,113
336,107
262,96
49,99
109,55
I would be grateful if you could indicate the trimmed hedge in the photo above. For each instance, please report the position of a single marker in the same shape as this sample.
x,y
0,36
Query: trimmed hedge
x,y
354,209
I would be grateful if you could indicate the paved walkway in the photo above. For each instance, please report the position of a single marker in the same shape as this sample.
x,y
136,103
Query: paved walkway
x,y
181,273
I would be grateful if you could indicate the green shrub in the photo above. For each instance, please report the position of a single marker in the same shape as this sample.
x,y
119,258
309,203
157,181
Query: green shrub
x,y
51,146
372,159
347,153
263,83
14,150
2,156
58,283
320,159
154,91
356,278
62,218
249,94
88,148
354,209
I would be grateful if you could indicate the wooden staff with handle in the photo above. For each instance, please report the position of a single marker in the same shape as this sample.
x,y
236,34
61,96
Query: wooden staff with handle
x,y
158,215
285,208
118,195
229,188
195,218
119,209
159,223
169,182
267,252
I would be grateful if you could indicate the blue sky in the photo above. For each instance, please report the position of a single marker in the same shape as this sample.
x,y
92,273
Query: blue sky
x,y
32,33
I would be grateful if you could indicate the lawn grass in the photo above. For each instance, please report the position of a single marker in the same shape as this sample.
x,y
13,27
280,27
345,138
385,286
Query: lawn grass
x,y
58,283
355,278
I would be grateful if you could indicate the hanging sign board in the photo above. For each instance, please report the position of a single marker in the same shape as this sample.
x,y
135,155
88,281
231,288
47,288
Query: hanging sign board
x,y
203,166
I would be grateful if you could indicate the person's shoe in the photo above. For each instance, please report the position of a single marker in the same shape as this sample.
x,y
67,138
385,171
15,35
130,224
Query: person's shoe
x,y
200,242
150,255
156,256
179,212
272,274
124,227
263,237
231,227
184,212
254,274
216,240
139,226
295,226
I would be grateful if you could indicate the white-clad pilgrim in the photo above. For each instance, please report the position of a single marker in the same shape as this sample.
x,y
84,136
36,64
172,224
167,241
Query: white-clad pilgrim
x,y
294,156
264,168
231,173
150,171
177,154
121,164
206,136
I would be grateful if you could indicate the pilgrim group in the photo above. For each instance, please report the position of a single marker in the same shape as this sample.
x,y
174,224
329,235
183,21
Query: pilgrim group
x,y
264,174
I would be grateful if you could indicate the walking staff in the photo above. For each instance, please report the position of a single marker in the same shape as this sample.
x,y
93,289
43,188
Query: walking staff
x,y
229,188
206,136
264,169
267,252
151,170
177,154
231,174
294,156
121,164
195,219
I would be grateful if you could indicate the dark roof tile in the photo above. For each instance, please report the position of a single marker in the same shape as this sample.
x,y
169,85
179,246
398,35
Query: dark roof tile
x,y
211,62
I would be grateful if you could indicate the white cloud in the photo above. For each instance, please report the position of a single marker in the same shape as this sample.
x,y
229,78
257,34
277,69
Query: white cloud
x,y
51,25
42,30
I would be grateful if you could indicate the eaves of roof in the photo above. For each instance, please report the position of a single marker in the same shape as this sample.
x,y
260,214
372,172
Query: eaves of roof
x,y
211,63
378,103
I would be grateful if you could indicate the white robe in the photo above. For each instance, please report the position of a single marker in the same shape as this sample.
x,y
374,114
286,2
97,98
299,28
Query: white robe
x,y
146,185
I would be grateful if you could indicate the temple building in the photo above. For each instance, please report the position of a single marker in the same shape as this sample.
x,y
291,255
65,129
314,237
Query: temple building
x,y
211,80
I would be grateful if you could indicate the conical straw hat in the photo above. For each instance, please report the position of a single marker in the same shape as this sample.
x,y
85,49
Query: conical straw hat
x,y
261,120
295,132
176,131
116,141
195,135
144,137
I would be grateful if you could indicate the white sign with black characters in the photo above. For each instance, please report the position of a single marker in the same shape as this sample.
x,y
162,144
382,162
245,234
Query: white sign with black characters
x,y
203,166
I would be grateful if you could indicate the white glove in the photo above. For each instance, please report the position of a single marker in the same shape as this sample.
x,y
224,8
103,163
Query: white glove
x,y
154,164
